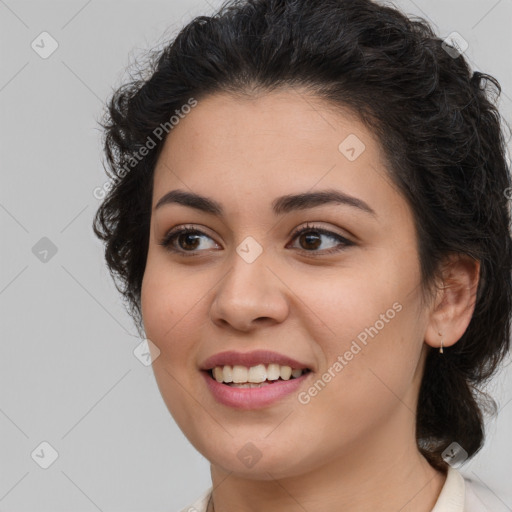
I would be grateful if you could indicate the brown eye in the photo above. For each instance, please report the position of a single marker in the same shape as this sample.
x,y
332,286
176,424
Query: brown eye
x,y
185,240
310,239
190,240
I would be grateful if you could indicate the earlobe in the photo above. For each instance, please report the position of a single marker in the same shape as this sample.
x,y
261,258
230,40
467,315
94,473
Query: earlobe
x,y
454,303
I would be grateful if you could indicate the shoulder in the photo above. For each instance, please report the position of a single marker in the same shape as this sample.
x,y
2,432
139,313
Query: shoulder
x,y
200,504
484,497
464,493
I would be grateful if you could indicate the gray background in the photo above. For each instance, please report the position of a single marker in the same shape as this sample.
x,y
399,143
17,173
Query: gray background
x,y
68,375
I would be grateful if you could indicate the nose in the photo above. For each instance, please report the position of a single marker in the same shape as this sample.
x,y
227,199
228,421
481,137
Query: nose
x,y
250,295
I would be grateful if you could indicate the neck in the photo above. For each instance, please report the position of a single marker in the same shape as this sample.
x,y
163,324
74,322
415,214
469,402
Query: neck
x,y
396,478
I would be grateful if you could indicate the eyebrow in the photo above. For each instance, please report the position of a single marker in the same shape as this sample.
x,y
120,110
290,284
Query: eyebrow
x,y
280,205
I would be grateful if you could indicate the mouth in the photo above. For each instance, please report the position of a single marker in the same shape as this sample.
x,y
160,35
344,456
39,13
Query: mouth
x,y
257,376
254,380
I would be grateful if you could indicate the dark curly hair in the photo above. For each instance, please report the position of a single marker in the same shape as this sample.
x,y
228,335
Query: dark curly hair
x,y
435,119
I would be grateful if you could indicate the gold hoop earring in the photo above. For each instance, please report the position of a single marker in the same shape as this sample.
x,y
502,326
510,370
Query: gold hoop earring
x,y
441,348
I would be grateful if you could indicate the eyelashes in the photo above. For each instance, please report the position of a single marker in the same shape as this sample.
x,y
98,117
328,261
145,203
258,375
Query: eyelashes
x,y
315,234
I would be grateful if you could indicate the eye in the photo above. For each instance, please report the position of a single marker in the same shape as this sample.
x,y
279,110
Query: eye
x,y
188,240
190,237
313,239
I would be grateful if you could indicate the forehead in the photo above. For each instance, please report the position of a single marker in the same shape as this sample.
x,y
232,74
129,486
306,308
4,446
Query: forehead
x,y
269,145
286,115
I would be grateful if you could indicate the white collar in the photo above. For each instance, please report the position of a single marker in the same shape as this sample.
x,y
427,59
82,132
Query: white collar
x,y
453,493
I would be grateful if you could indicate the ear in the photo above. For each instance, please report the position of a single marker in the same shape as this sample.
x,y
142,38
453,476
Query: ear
x,y
454,302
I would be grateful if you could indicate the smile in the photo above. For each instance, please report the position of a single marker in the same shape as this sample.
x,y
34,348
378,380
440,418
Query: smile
x,y
254,395
255,376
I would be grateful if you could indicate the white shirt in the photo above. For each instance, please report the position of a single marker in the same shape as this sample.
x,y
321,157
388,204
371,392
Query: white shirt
x,y
460,493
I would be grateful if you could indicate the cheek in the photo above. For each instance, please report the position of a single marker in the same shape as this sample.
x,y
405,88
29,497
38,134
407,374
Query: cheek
x,y
375,343
160,292
167,314
165,304
380,375
174,311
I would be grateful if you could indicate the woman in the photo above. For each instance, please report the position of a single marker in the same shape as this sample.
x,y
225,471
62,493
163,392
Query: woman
x,y
309,223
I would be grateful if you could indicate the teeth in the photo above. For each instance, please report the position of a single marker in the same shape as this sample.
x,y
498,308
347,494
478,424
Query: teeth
x,y
249,385
273,371
240,374
256,375
286,372
217,374
228,373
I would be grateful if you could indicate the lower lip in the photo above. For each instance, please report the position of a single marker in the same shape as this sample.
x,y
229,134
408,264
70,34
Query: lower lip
x,y
252,398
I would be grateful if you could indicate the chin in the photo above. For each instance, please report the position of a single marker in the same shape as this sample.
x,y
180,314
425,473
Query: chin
x,y
252,463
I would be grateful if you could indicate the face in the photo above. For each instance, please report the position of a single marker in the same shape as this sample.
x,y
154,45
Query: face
x,y
342,299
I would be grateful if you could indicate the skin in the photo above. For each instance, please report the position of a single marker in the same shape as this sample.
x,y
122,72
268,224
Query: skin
x,y
352,447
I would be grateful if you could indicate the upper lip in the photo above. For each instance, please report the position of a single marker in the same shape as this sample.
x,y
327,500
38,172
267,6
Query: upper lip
x,y
250,359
